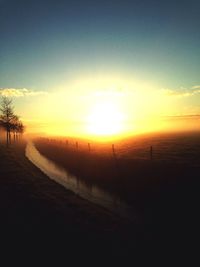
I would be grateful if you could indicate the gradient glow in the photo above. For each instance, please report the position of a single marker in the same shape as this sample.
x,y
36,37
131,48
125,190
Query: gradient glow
x,y
63,60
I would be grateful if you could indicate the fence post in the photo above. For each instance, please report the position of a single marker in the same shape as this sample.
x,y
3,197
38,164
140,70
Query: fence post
x,y
151,153
113,150
89,148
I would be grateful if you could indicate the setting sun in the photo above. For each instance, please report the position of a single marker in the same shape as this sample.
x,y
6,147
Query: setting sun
x,y
105,119
100,129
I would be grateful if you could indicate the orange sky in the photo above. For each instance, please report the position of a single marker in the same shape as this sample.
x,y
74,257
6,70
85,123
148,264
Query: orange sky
x,y
106,106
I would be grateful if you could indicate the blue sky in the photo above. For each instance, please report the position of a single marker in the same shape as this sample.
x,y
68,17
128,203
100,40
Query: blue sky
x,y
45,44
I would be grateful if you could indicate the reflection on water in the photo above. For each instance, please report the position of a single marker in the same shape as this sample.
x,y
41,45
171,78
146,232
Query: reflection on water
x,y
92,193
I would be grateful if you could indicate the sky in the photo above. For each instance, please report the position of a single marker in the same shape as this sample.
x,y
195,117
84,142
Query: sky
x,y
60,60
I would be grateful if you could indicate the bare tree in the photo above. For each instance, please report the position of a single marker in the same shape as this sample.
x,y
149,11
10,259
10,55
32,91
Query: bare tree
x,y
14,126
18,129
7,115
9,120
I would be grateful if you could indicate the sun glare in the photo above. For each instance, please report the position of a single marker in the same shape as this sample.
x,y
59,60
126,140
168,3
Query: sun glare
x,y
102,108
105,119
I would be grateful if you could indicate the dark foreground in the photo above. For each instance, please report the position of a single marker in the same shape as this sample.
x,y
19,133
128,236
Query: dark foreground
x,y
165,194
39,218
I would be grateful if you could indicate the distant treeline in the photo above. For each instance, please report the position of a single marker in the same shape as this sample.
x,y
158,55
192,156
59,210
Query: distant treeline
x,y
9,121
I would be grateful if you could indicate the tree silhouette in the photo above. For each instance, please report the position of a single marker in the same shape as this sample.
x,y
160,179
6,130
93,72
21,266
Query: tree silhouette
x,y
9,120
17,128
14,126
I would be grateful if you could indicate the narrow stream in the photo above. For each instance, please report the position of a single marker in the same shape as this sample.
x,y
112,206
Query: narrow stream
x,y
92,193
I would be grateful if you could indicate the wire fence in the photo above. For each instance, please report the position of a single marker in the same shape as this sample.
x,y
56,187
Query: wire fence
x,y
183,149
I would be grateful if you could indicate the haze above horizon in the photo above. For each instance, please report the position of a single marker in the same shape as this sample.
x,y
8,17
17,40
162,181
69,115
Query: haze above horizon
x,y
101,68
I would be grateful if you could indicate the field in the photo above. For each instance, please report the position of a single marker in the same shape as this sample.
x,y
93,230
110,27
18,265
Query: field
x,y
164,189
38,215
